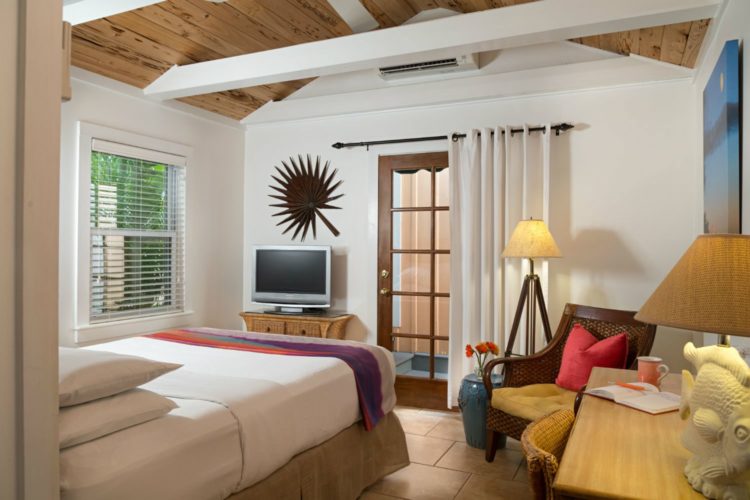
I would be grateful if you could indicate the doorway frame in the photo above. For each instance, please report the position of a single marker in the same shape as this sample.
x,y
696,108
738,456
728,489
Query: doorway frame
x,y
410,391
32,459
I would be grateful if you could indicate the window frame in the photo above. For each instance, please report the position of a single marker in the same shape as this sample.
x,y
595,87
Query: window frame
x,y
93,331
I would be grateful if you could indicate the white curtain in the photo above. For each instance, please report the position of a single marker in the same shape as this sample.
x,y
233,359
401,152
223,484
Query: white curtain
x,y
496,179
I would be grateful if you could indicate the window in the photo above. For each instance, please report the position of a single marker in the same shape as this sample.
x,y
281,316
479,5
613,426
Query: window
x,y
136,232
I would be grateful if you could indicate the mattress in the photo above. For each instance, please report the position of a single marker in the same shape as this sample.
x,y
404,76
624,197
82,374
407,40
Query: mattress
x,y
278,406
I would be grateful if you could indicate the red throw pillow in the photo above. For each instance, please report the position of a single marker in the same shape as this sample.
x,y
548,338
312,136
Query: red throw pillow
x,y
583,351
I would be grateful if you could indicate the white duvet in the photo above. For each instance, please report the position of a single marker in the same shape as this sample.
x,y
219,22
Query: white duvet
x,y
278,406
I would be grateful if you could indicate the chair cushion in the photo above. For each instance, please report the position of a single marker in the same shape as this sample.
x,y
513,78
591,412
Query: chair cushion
x,y
532,401
583,351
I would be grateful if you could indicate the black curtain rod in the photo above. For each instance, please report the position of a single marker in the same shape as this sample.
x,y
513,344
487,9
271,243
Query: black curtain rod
x,y
561,127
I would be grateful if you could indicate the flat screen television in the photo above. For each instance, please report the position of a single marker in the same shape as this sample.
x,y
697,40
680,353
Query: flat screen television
x,y
292,277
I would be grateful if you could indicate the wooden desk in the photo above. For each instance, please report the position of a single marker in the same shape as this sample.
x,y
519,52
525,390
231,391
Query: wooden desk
x,y
618,452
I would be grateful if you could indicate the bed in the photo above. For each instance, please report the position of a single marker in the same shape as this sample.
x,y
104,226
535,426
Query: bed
x,y
247,425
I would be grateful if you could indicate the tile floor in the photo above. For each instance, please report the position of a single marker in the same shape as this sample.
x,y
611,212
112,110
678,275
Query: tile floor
x,y
443,466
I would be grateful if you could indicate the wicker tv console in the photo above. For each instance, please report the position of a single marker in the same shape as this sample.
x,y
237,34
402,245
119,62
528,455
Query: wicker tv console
x,y
329,326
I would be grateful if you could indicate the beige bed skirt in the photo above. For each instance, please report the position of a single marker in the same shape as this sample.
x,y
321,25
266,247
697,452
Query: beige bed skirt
x,y
338,469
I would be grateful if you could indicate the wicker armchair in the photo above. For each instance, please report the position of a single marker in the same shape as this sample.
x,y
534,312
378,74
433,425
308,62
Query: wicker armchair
x,y
543,366
543,443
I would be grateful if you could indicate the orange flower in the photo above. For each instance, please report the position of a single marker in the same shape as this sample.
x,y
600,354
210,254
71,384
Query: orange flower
x,y
482,350
493,348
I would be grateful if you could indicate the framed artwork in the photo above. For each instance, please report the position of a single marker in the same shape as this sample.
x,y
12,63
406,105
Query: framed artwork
x,y
722,169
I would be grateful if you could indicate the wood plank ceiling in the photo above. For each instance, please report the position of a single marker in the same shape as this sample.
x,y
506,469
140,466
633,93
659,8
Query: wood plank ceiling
x,y
137,47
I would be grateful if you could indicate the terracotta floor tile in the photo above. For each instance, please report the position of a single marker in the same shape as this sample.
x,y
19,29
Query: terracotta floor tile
x,y
371,495
401,407
522,474
441,414
449,427
426,450
405,409
462,457
490,487
422,482
513,444
444,466
415,422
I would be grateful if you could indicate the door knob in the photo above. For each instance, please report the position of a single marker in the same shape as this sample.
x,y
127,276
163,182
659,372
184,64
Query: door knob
x,y
384,273
385,292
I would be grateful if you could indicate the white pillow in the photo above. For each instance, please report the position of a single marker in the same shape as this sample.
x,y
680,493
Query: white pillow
x,y
87,375
88,421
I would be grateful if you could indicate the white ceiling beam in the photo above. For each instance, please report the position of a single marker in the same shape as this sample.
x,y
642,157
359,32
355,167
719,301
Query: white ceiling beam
x,y
83,11
526,24
355,15
610,72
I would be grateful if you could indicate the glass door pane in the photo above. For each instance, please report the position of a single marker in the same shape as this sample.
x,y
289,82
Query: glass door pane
x,y
411,272
412,188
412,230
411,315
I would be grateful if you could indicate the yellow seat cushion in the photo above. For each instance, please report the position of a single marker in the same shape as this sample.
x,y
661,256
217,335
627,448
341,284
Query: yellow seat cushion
x,y
532,401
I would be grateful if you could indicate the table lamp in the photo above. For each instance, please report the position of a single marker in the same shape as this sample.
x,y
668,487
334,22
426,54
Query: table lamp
x,y
708,290
530,240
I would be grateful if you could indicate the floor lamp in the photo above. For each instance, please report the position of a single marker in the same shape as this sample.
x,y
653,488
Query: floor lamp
x,y
530,240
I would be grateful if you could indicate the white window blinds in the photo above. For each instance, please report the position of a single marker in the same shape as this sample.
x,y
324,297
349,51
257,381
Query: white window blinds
x,y
137,221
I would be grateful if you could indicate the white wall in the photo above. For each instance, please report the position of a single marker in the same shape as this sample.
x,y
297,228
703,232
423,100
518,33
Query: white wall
x,y
214,198
734,23
622,202
8,53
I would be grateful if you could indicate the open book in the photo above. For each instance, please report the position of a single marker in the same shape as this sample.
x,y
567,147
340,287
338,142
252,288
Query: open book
x,y
649,399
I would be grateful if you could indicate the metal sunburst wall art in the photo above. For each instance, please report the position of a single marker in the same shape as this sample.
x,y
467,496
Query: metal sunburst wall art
x,y
304,190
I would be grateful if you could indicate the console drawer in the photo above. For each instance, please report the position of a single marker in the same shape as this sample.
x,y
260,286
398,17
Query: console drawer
x,y
267,326
303,328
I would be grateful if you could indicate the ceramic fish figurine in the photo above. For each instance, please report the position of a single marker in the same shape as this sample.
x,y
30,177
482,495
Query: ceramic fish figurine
x,y
728,358
717,402
737,443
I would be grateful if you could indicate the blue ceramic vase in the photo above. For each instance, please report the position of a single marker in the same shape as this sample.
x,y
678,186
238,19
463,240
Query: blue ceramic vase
x,y
472,401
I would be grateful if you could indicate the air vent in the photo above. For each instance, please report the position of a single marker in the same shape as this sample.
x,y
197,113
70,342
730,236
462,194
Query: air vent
x,y
421,66
430,68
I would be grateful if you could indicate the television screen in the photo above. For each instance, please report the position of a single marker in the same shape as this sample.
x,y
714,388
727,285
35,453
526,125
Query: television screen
x,y
290,271
292,277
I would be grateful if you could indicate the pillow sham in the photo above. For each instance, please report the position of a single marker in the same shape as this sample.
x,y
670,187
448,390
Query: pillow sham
x,y
583,351
88,375
88,421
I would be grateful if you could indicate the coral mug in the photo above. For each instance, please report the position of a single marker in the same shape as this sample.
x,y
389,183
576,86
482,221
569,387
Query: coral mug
x,y
651,370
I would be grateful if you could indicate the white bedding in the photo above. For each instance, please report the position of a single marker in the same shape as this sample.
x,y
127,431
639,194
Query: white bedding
x,y
192,453
280,405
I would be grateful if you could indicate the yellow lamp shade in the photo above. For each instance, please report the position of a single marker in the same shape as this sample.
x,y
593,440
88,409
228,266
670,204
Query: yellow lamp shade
x,y
708,290
531,239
